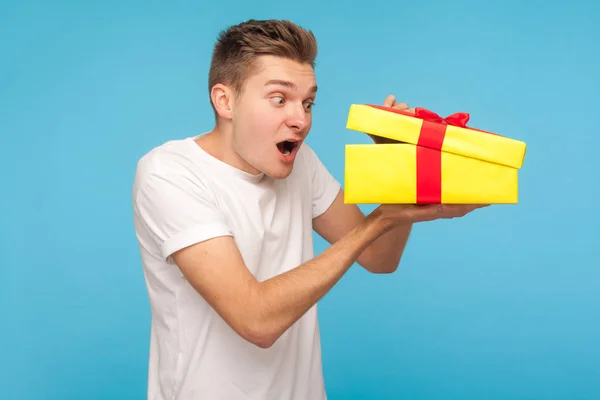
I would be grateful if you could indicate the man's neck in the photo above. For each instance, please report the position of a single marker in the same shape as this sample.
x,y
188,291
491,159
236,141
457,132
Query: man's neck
x,y
219,144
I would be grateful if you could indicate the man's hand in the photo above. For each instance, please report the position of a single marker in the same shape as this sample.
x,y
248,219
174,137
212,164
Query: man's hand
x,y
390,101
402,214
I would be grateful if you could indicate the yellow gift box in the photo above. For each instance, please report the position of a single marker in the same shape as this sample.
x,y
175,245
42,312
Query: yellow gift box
x,y
428,159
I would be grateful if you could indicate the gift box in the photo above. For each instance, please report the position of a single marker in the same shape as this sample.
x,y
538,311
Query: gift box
x,y
427,159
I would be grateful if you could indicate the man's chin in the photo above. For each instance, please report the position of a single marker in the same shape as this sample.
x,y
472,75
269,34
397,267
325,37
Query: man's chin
x,y
280,171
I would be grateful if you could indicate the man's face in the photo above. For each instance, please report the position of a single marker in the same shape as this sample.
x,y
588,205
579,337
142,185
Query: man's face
x,y
272,116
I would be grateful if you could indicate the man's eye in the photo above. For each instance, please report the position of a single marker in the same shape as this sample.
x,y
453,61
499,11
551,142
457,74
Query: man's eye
x,y
309,105
277,100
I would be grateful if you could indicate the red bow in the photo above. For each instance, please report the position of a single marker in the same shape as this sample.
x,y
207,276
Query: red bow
x,y
456,119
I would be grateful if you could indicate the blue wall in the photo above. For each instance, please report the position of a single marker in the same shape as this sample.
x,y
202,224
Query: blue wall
x,y
502,304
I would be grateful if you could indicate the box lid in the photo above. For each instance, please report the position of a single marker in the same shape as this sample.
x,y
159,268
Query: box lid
x,y
426,128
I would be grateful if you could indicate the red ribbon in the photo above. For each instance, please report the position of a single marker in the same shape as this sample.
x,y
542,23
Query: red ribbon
x,y
429,154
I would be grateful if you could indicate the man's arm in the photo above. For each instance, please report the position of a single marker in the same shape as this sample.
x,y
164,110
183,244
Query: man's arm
x,y
261,312
382,255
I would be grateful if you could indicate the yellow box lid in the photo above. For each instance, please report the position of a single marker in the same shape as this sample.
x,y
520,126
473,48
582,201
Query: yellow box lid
x,y
426,128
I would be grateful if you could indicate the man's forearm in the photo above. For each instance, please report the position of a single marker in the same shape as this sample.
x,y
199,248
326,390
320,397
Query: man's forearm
x,y
282,300
384,254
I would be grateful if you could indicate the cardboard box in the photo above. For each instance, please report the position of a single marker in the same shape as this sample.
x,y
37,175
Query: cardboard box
x,y
430,160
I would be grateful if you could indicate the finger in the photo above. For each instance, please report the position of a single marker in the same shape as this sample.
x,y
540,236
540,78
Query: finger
x,y
430,212
458,210
401,106
425,212
448,210
473,207
389,101
404,107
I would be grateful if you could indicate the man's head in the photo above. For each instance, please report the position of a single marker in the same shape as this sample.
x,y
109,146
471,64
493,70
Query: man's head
x,y
262,87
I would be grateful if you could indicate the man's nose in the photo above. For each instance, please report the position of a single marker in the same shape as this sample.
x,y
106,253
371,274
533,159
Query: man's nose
x,y
298,118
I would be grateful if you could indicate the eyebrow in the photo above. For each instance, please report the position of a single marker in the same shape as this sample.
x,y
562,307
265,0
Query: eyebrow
x,y
288,84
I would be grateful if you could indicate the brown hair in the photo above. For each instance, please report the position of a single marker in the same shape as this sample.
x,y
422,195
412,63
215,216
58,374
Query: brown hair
x,y
238,46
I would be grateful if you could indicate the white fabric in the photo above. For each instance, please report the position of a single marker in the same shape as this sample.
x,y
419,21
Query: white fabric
x,y
182,196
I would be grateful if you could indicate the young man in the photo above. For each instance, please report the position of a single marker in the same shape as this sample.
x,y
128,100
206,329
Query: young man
x,y
225,223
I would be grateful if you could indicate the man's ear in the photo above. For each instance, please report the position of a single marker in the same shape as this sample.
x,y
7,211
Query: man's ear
x,y
222,98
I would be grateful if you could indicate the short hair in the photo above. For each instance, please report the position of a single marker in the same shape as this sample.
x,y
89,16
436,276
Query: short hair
x,y
237,47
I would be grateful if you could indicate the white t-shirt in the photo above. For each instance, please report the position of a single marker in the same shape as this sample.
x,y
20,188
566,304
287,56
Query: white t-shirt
x,y
181,196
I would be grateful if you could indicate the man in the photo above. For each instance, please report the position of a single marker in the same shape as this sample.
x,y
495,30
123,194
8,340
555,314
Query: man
x,y
225,222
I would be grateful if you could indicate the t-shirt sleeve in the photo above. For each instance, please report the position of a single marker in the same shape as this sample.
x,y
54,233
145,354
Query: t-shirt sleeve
x,y
325,187
178,212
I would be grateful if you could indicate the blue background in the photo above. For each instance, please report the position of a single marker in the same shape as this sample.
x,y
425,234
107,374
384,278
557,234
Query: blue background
x,y
502,304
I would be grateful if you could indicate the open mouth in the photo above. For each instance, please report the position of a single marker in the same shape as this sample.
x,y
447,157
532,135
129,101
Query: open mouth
x,y
286,147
